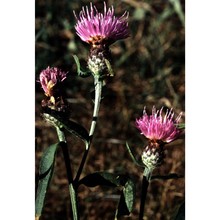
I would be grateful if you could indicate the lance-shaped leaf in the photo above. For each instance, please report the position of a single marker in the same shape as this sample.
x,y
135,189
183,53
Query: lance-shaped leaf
x,y
81,73
62,122
100,179
181,212
45,175
181,126
126,201
109,67
138,163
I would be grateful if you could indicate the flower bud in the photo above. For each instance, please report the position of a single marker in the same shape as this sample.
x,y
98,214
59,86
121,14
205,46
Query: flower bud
x,y
97,60
153,155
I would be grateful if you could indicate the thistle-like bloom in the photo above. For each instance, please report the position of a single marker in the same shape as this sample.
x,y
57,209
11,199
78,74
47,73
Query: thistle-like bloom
x,y
97,28
49,78
157,128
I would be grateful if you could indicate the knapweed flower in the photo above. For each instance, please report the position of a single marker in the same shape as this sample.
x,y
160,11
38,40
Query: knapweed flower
x,y
100,30
51,77
97,28
159,130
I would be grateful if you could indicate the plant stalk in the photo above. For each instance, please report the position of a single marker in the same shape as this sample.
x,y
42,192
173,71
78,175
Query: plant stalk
x,y
72,188
145,184
98,94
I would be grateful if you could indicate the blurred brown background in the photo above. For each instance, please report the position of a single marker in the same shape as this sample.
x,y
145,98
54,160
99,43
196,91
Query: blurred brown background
x,y
149,70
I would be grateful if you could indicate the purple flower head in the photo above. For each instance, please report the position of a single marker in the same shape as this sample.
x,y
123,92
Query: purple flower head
x,y
98,28
51,77
155,127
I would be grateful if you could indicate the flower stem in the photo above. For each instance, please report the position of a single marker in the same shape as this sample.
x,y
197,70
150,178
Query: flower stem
x,y
72,188
145,184
98,92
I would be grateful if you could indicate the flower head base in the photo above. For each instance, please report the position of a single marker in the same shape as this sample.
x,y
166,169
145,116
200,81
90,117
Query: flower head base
x,y
50,80
153,156
98,28
51,77
157,128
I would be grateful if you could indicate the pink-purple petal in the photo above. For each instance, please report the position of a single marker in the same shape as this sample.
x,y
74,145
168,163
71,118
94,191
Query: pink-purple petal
x,y
51,75
92,23
158,128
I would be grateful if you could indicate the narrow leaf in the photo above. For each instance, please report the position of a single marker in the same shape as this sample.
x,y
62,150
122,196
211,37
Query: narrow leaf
x,y
45,174
71,126
81,73
181,126
76,129
181,212
129,194
127,198
109,67
100,179
126,202
138,163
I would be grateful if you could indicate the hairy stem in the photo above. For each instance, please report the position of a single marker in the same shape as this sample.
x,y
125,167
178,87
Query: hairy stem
x,y
72,188
98,93
145,184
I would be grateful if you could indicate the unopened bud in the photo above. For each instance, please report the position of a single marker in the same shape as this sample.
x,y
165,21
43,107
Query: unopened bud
x,y
153,155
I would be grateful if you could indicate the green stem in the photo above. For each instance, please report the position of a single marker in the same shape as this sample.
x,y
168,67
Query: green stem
x,y
145,184
72,188
98,94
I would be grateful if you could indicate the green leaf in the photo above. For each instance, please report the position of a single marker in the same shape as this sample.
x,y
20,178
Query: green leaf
x,y
127,198
71,126
76,129
181,212
178,9
100,179
129,194
138,163
181,126
109,67
45,175
81,73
